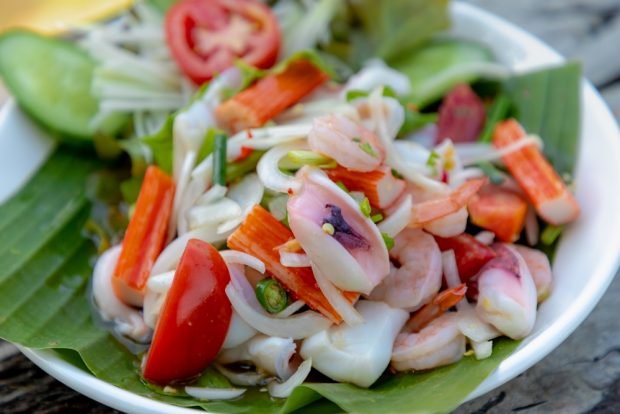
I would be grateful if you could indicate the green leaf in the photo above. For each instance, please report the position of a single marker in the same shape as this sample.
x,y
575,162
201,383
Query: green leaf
x,y
547,103
395,27
437,67
161,145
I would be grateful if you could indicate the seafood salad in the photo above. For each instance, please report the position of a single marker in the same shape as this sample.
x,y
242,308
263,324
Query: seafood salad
x,y
292,215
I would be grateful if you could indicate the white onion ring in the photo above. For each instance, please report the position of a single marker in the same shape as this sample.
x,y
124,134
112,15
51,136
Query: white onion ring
x,y
246,379
399,219
127,320
269,171
213,394
335,298
290,259
485,237
246,305
290,309
170,256
237,257
283,390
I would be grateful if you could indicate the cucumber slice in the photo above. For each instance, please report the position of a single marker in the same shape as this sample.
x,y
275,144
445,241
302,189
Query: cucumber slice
x,y
51,80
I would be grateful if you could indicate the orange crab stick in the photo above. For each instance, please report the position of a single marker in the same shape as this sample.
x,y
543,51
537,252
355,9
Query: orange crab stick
x,y
540,182
440,304
260,235
500,211
380,186
270,96
145,236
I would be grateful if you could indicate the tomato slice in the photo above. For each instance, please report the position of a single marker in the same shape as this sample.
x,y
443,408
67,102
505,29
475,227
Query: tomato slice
x,y
206,36
195,317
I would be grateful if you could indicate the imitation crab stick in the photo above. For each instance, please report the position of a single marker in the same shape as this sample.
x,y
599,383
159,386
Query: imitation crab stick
x,y
540,182
380,186
499,210
260,235
270,96
145,236
437,307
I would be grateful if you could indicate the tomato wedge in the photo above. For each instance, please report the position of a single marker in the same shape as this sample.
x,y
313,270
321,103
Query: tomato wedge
x,y
195,317
206,36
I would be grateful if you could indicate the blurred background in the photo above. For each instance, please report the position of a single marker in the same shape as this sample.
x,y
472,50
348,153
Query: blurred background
x,y
582,375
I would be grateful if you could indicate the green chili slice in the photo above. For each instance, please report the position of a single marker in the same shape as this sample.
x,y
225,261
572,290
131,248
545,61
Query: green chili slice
x,y
219,159
271,295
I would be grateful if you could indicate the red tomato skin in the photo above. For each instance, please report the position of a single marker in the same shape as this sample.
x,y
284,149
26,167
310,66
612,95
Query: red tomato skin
x,y
470,255
184,16
194,320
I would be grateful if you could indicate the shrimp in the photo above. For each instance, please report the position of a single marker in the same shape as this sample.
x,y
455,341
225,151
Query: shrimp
x,y
506,293
349,143
440,343
418,278
538,264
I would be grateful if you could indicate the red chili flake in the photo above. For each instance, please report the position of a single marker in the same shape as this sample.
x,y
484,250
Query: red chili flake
x,y
444,177
461,115
245,152
290,191
249,133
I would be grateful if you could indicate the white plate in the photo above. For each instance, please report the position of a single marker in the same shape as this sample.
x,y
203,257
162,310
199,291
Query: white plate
x,y
585,263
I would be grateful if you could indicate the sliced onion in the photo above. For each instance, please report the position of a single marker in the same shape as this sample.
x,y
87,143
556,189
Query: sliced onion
x,y
283,390
171,255
290,259
483,349
160,283
238,332
246,378
265,138
335,298
269,171
215,193
277,206
296,327
127,320
470,324
181,182
213,214
451,271
213,394
474,153
485,237
247,193
459,177
290,309
157,288
532,231
399,219
237,257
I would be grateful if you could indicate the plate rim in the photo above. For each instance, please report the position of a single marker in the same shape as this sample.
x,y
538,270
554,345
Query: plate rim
x,y
521,360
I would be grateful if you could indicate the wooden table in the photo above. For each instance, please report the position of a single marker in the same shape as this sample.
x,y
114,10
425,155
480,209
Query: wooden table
x,y
582,375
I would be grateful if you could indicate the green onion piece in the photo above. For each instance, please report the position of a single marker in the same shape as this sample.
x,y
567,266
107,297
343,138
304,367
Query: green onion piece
x,y
389,242
358,93
219,159
497,112
236,170
550,234
376,218
432,159
368,149
365,207
271,295
343,187
299,158
495,176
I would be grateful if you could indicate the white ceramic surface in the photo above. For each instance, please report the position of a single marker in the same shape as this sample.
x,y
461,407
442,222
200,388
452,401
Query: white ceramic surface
x,y
585,263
